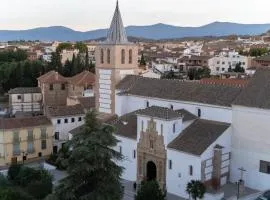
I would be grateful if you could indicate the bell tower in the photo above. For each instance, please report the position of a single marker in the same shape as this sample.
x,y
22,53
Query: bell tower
x,y
115,58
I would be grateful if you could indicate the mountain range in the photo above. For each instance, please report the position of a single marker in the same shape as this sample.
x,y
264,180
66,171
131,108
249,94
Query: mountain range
x,y
156,31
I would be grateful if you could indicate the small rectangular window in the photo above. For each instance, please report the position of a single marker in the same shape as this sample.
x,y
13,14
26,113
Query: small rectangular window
x,y
56,135
120,149
66,121
59,121
19,97
80,119
170,164
63,87
265,167
191,170
174,128
51,86
161,129
72,120
134,153
43,144
147,104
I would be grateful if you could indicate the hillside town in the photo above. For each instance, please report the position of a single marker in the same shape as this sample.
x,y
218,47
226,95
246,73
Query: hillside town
x,y
181,110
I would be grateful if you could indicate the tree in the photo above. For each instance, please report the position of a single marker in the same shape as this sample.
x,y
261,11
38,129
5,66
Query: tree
x,y
193,74
142,61
238,68
81,46
25,183
196,189
86,64
62,159
92,169
149,190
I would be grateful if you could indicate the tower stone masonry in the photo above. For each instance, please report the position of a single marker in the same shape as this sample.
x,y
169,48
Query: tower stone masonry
x,y
115,58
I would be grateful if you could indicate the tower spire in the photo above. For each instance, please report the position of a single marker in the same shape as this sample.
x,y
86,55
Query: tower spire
x,y
117,33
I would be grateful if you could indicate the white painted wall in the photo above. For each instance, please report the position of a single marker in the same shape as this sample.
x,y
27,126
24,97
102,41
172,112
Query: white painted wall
x,y
250,144
64,128
129,163
220,64
26,103
126,104
178,177
168,133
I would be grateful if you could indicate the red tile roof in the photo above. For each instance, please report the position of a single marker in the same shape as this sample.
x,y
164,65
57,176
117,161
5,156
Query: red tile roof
x,y
84,78
52,77
16,123
229,82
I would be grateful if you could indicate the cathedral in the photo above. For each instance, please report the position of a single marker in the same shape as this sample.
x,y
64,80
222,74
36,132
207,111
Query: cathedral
x,y
175,131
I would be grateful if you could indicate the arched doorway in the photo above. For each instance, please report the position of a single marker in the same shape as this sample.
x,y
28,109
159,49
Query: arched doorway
x,y
151,171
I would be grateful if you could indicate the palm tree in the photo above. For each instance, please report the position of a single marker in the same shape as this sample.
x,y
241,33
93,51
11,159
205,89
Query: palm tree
x,y
196,189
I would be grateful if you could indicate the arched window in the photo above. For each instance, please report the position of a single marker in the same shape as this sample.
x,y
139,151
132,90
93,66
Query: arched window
x,y
123,56
108,56
101,56
130,56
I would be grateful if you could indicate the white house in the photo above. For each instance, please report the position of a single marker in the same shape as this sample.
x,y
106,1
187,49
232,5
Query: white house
x,y
64,119
28,99
221,63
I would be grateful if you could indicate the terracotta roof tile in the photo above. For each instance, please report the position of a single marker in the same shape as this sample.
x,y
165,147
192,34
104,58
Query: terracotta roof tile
x,y
84,78
52,77
65,110
25,90
16,123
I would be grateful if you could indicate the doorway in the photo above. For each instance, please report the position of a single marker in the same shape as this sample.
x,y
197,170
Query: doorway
x,y
151,171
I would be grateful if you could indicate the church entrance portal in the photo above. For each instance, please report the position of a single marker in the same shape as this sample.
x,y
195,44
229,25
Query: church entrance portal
x,y
151,171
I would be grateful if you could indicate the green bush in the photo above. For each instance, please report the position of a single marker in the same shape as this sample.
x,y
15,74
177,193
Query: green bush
x,y
13,171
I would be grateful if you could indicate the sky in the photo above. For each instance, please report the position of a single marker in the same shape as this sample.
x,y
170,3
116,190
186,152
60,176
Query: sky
x,y
85,15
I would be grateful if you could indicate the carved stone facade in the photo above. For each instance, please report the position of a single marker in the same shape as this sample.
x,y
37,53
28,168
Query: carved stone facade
x,y
151,149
